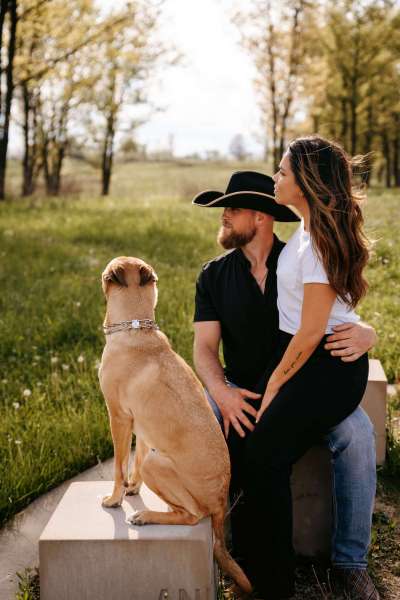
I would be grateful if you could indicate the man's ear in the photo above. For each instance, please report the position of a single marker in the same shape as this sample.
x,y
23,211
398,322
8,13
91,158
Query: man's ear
x,y
115,275
146,274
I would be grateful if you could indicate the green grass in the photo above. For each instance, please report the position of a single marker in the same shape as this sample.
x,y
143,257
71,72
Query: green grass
x,y
52,251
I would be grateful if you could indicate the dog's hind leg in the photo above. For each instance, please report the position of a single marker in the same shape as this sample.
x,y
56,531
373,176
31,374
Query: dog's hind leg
x,y
121,431
135,478
160,476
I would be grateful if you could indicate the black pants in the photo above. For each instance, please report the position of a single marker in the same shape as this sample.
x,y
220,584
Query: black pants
x,y
319,396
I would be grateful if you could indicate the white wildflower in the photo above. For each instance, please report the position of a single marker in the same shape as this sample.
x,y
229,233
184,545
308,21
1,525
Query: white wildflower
x,y
65,367
54,360
18,442
77,304
16,405
81,358
26,393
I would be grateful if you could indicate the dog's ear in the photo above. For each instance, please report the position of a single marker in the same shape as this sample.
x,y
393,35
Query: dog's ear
x,y
147,274
114,275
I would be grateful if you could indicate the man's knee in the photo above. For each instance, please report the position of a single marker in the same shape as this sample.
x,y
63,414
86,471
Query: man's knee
x,y
356,432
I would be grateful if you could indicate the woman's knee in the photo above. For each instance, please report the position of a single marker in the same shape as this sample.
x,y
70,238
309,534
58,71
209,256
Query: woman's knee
x,y
264,463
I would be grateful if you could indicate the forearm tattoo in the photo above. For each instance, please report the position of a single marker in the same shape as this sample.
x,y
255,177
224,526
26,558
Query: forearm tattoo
x,y
286,371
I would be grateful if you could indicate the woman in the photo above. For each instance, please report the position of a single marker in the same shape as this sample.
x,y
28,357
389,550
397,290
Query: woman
x,y
320,282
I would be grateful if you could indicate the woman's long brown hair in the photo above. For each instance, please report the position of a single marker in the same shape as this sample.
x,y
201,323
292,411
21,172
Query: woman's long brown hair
x,y
324,173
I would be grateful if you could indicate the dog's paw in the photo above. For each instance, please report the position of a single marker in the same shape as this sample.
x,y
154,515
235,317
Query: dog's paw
x,y
138,518
110,502
132,489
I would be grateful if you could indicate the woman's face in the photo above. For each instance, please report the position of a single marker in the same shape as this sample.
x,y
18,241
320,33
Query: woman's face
x,y
286,189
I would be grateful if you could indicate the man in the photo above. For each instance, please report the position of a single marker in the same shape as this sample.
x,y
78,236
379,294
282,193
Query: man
x,y
236,297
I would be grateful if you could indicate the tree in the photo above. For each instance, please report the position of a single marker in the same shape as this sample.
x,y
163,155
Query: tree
x,y
8,30
237,147
278,41
124,61
48,53
55,66
353,87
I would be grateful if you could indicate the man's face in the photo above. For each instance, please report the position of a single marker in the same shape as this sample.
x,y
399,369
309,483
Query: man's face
x,y
237,227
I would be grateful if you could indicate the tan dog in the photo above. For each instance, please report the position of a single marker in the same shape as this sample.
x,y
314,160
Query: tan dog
x,y
181,452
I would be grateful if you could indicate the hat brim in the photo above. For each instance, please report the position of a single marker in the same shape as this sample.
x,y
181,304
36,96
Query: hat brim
x,y
246,199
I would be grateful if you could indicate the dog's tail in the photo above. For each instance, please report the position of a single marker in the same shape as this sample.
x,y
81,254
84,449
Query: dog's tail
x,y
222,556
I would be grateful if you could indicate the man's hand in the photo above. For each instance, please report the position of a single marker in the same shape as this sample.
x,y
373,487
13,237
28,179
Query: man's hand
x,y
351,340
232,404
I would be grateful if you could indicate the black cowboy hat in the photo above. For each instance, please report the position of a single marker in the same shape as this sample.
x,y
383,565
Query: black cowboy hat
x,y
248,189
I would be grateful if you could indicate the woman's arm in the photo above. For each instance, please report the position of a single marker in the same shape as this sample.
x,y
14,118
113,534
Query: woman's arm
x,y
317,305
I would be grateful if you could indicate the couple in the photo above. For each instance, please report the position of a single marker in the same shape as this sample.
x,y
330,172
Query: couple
x,y
286,386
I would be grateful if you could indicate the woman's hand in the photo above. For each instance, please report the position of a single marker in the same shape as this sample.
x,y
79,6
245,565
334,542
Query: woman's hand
x,y
269,395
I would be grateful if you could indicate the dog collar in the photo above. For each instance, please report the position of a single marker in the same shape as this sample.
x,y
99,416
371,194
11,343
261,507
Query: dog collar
x,y
127,325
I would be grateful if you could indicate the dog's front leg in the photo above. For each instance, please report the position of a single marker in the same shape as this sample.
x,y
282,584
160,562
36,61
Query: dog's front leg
x,y
121,431
135,478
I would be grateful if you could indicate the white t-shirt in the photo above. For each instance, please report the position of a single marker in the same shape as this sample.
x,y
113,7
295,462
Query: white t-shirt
x,y
298,264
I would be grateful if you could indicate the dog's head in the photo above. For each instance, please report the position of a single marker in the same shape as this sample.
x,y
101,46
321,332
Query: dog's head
x,y
126,272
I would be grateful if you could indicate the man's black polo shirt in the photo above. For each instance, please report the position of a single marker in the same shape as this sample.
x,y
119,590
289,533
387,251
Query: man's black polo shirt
x,y
227,292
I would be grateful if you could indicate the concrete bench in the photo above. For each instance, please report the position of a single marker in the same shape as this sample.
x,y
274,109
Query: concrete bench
x,y
88,552
312,475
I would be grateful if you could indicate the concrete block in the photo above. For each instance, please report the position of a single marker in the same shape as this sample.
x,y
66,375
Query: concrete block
x,y
312,475
312,503
88,552
374,404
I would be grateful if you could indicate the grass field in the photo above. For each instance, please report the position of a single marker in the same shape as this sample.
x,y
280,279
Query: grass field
x,y
53,418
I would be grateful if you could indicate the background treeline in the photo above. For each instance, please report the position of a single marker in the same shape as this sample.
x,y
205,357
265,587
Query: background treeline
x,y
331,66
69,72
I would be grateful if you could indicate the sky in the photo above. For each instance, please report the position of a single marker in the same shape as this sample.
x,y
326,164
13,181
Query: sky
x,y
209,97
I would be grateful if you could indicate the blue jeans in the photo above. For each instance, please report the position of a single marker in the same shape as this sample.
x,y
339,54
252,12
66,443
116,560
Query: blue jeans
x,y
352,444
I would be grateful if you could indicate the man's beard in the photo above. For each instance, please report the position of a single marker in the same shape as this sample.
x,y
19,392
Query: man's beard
x,y
228,238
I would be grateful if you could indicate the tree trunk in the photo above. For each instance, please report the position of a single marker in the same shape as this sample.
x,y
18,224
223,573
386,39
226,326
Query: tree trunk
x,y
396,151
344,122
28,183
53,178
294,60
5,110
108,154
354,93
272,90
387,157
353,125
367,148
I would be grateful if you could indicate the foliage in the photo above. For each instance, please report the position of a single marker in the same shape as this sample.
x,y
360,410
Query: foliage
x,y
68,78
54,422
28,585
279,41
330,67
357,75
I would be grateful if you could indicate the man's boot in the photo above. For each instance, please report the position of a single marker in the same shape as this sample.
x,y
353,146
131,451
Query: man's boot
x,y
357,583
